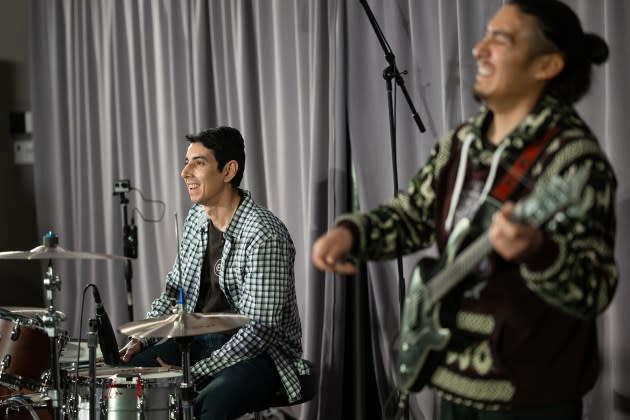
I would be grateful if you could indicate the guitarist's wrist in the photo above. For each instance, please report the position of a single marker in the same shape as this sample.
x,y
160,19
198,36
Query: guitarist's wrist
x,y
354,231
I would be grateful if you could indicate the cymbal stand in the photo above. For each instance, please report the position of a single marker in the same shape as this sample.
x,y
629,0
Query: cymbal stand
x,y
186,390
92,343
50,320
186,387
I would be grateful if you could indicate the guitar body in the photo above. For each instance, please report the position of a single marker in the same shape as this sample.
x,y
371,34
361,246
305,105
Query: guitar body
x,y
422,337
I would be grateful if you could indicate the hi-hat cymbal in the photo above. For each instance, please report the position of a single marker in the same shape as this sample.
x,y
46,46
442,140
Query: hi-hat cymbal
x,y
183,324
31,312
43,252
50,250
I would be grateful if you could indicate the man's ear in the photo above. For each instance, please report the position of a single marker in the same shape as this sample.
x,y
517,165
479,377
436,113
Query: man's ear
x,y
549,66
229,170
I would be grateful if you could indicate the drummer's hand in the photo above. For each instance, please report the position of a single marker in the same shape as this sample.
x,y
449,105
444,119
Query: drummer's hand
x,y
166,365
134,346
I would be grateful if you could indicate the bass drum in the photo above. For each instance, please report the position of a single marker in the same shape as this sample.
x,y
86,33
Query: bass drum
x,y
130,393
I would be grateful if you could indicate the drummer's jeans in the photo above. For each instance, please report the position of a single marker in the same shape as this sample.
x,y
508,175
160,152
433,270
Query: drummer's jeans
x,y
169,351
246,386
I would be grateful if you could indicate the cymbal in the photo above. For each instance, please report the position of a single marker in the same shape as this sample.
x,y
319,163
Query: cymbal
x,y
44,252
183,324
31,312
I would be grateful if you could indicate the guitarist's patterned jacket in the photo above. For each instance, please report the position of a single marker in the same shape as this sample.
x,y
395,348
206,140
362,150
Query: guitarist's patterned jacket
x,y
523,334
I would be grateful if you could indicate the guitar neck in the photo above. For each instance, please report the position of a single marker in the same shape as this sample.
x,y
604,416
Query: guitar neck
x,y
454,272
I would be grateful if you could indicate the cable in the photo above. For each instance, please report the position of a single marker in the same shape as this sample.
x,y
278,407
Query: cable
x,y
20,400
160,202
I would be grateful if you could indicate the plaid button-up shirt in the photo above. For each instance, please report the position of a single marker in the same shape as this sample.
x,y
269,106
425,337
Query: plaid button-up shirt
x,y
258,280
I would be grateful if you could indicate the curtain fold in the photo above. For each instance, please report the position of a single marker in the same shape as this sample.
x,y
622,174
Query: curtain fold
x,y
116,85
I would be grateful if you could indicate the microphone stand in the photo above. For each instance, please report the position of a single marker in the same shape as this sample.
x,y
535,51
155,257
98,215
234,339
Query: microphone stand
x,y
392,72
186,388
92,343
130,248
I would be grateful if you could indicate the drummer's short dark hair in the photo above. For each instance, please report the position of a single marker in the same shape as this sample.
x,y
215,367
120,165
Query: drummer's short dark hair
x,y
227,144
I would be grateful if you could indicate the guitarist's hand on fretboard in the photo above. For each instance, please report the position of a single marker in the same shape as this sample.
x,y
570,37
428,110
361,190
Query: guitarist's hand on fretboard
x,y
512,240
330,251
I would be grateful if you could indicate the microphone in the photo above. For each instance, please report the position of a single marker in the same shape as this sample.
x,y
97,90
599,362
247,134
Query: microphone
x,y
106,336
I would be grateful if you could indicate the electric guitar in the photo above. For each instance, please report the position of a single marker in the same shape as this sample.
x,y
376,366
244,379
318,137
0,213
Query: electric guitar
x,y
422,339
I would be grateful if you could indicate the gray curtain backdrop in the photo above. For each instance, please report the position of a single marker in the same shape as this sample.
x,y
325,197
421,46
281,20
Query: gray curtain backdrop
x,y
116,85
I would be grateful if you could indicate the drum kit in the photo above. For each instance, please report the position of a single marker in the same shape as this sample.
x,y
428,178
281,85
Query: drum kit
x,y
39,376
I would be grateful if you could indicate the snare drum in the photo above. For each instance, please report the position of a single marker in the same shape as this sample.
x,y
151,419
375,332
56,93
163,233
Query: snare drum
x,y
24,352
130,393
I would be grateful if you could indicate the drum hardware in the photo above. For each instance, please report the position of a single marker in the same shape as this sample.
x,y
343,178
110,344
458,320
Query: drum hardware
x,y
50,250
173,407
30,312
124,393
50,318
23,352
182,326
45,381
15,332
92,343
4,365
52,282
25,407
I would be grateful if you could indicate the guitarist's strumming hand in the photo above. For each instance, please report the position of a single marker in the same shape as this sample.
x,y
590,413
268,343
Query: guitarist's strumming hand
x,y
513,241
331,249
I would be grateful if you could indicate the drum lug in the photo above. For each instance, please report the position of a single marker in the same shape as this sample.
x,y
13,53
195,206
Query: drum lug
x,y
69,407
140,407
103,406
173,407
15,332
5,364
45,379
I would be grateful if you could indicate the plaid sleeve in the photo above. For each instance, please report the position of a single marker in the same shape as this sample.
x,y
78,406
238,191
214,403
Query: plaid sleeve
x,y
262,296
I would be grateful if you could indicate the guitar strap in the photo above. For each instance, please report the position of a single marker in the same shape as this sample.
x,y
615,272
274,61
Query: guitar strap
x,y
511,179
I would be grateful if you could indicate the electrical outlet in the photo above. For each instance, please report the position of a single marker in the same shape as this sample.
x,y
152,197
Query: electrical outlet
x,y
23,152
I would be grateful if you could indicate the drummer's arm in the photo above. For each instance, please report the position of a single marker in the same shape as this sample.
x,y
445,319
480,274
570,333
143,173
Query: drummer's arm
x,y
162,305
